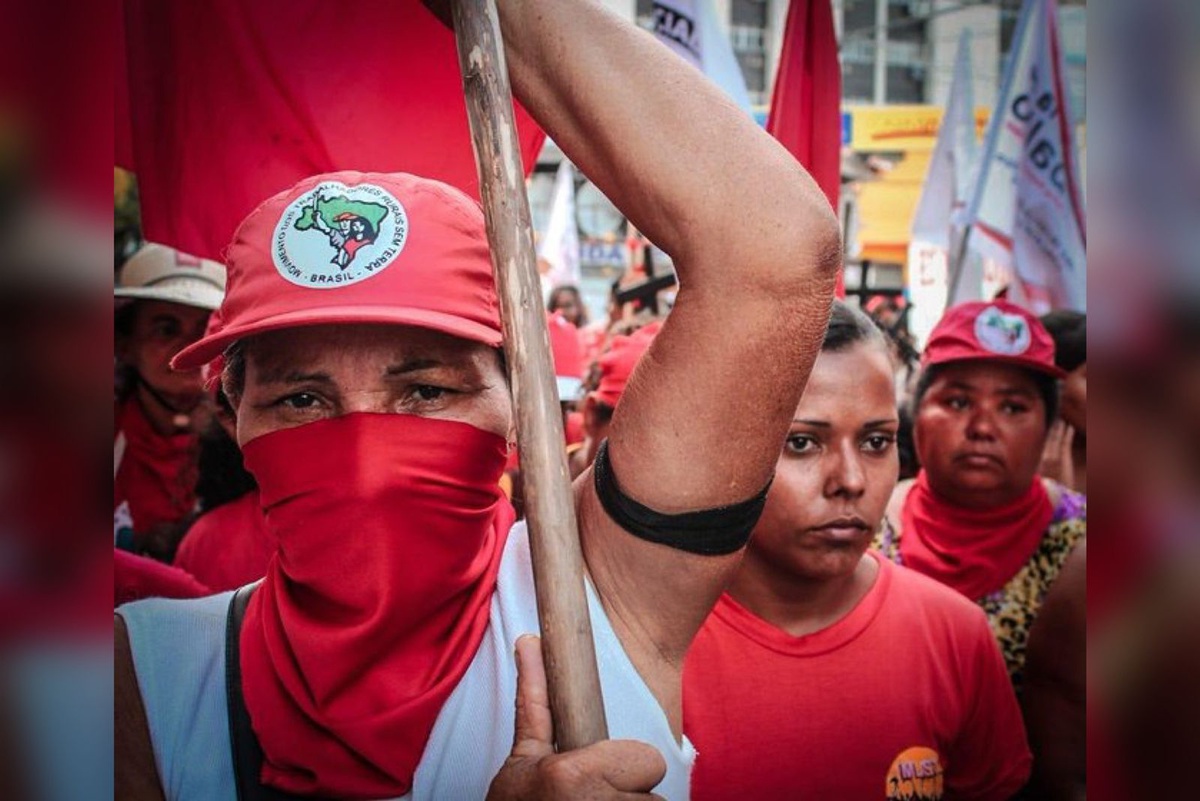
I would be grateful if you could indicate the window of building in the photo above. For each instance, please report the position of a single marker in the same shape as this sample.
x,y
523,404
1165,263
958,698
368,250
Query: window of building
x,y
644,14
747,33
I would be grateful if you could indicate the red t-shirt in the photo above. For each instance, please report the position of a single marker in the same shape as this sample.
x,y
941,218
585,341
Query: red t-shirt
x,y
156,476
906,697
229,546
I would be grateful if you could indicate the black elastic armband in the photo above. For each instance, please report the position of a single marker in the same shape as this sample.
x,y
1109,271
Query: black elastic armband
x,y
710,532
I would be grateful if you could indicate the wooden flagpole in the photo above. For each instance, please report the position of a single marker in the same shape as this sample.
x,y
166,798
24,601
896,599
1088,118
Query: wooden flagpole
x,y
574,683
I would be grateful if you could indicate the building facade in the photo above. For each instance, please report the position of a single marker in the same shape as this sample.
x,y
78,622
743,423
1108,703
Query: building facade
x,y
897,59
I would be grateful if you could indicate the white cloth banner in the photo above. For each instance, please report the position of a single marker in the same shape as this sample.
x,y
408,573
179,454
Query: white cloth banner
x,y
940,211
948,181
1026,212
691,29
558,248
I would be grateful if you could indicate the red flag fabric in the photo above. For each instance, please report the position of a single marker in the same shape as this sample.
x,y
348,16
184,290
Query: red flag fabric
x,y
230,102
806,104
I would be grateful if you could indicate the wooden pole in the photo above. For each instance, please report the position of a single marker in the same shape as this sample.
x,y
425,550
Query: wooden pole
x,y
574,683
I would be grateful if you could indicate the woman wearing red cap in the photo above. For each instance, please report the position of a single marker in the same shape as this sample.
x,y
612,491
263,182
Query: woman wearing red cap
x,y
375,660
978,517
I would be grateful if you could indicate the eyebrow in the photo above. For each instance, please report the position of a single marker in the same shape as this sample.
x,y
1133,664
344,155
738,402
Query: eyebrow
x,y
1002,391
869,424
412,366
282,376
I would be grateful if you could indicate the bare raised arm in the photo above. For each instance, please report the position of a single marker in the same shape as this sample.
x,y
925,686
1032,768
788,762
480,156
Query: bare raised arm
x,y
756,248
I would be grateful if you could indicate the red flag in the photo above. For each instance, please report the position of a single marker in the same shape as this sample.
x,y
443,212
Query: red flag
x,y
806,106
231,101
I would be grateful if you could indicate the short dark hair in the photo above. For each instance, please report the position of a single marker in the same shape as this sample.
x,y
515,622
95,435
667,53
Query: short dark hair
x,y
1068,329
849,325
1047,389
233,376
559,291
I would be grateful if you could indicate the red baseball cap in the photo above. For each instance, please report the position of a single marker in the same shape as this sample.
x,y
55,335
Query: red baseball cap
x,y
618,362
423,261
991,331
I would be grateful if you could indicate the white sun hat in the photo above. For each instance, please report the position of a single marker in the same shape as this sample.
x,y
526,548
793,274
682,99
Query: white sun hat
x,y
158,272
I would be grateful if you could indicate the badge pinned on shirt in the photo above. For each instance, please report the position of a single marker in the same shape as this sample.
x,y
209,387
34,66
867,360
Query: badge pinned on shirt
x,y
915,775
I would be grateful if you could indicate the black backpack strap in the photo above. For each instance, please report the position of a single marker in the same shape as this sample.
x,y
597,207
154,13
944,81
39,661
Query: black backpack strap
x,y
247,753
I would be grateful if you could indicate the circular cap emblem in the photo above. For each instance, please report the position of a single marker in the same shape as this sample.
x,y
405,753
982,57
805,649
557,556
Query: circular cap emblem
x,y
335,235
1005,334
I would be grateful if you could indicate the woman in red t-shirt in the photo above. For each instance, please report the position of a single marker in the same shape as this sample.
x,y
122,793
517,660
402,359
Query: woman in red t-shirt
x,y
825,671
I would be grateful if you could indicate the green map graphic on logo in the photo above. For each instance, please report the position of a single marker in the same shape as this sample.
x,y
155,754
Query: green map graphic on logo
x,y
349,224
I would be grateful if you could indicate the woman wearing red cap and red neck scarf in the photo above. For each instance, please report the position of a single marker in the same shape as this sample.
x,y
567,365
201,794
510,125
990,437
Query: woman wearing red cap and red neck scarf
x,y
375,660
978,517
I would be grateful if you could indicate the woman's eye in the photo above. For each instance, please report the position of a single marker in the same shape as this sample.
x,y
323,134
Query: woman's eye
x,y
878,443
427,392
799,443
957,404
1014,408
301,400
165,331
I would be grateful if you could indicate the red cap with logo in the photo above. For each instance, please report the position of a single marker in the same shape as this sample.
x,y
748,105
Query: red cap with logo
x,y
991,331
417,255
618,362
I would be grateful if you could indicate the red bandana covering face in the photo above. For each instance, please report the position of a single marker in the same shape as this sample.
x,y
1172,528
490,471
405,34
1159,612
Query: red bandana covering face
x,y
157,472
390,530
973,551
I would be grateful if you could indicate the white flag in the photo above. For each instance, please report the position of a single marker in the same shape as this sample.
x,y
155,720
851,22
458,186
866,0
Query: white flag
x,y
943,200
691,29
949,178
1026,213
558,248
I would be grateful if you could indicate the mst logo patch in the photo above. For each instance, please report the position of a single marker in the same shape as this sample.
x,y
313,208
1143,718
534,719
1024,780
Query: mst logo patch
x,y
1006,334
335,235
915,775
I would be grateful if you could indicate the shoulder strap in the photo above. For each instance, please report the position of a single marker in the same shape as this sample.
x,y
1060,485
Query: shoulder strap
x,y
247,753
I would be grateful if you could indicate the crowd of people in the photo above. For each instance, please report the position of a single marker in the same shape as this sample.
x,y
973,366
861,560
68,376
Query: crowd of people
x,y
820,563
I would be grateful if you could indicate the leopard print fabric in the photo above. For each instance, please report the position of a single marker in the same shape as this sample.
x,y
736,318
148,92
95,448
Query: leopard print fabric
x,y
1011,610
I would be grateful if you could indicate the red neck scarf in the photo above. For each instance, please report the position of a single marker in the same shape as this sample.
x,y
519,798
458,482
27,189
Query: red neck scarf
x,y
973,551
157,472
390,530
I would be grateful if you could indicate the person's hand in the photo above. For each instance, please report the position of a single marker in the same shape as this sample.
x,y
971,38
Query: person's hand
x,y
613,769
1058,461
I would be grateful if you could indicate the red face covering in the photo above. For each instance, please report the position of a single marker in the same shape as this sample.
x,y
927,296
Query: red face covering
x,y
157,472
390,530
973,551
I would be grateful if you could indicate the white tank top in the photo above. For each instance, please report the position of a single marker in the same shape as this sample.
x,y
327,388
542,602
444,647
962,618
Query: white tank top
x,y
179,653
